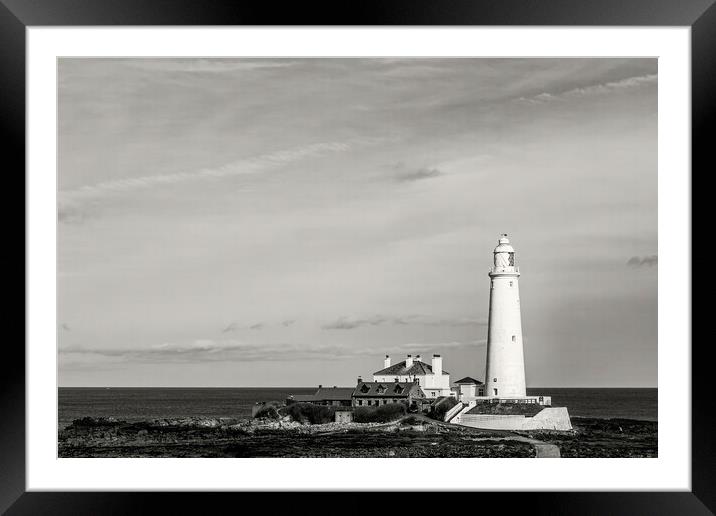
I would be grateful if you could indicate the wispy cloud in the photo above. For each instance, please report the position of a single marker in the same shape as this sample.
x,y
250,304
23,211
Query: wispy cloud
x,y
241,167
209,350
594,89
71,201
350,323
207,65
235,326
231,328
643,261
417,175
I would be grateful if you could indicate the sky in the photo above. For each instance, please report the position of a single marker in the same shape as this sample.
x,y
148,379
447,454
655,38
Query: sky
x,y
288,222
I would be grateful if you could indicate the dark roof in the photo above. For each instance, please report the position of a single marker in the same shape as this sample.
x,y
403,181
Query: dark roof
x,y
399,369
326,394
386,389
303,397
334,393
468,380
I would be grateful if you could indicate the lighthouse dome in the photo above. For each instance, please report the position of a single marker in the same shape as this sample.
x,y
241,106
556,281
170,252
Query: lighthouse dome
x,y
503,245
504,255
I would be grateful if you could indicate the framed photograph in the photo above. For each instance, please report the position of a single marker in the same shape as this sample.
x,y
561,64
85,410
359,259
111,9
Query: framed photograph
x,y
410,248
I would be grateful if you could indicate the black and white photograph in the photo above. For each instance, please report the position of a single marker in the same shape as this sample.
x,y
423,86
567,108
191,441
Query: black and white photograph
x,y
357,257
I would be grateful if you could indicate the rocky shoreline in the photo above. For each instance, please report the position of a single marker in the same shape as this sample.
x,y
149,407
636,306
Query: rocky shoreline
x,y
603,438
412,436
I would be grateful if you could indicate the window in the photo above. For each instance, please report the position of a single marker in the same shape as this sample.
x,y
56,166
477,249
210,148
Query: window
x,y
434,394
398,389
514,338
364,389
381,389
494,379
495,391
360,403
510,283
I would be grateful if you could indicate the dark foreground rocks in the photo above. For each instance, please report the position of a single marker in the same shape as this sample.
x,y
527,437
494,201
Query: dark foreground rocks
x,y
410,437
591,437
233,438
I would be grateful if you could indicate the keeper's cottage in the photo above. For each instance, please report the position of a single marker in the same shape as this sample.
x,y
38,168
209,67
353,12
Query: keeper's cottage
x,y
433,380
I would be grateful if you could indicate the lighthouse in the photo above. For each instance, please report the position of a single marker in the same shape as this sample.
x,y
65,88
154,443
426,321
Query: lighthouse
x,y
505,368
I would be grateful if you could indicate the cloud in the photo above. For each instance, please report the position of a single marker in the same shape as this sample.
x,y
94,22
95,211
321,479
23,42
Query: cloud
x,y
206,65
72,202
234,327
230,328
231,350
417,175
595,89
350,323
609,87
241,167
642,261
400,172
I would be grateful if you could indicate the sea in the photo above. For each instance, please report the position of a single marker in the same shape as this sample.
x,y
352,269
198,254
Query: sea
x,y
137,404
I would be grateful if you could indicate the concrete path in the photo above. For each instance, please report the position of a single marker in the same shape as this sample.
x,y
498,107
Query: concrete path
x,y
543,450
546,451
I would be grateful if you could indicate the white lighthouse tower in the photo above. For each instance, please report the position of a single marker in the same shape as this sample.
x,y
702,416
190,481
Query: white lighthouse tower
x,y
505,404
505,370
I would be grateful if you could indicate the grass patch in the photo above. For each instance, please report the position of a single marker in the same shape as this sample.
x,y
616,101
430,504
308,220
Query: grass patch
x,y
310,413
525,409
270,410
380,414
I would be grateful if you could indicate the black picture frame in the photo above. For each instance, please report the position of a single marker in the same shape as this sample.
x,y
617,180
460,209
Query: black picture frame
x,y
17,15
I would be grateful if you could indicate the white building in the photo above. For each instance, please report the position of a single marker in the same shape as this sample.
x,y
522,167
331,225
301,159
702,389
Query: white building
x,y
469,387
433,380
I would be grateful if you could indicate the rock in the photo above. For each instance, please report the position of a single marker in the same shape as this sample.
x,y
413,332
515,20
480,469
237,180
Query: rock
x,y
208,423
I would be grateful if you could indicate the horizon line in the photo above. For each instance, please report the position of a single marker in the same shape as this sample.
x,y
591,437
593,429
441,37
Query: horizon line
x,y
306,387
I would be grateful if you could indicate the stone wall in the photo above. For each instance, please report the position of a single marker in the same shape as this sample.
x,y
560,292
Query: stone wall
x,y
550,418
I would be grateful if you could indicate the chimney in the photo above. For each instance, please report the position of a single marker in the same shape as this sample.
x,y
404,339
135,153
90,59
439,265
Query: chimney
x,y
386,362
360,379
320,386
409,362
437,365
418,358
